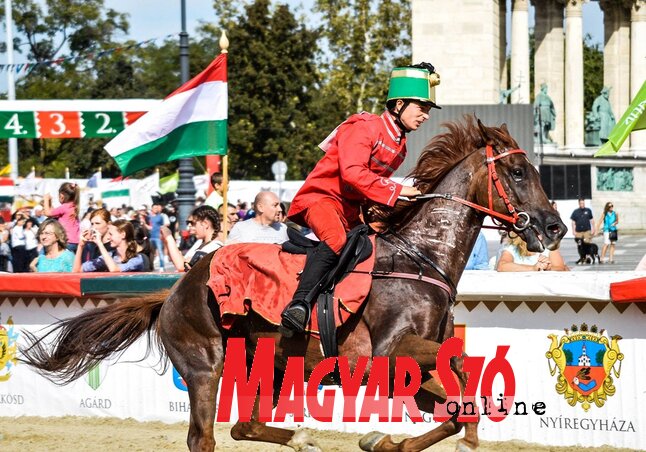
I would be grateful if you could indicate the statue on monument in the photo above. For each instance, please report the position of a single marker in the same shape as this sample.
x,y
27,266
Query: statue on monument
x,y
602,109
544,115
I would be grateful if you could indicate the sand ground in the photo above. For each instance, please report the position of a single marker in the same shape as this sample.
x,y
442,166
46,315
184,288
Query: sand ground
x,y
58,434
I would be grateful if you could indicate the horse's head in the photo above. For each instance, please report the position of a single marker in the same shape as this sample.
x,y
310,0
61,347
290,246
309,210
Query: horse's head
x,y
482,167
506,183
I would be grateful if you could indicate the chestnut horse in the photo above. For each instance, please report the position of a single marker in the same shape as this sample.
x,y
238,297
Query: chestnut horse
x,y
466,173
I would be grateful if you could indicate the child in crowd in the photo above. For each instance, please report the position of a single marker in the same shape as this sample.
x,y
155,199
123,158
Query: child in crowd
x,y
69,195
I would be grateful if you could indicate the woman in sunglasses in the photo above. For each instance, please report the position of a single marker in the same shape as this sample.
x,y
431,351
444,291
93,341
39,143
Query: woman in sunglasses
x,y
205,223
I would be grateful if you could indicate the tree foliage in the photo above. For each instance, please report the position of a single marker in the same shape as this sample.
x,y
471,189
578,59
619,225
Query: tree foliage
x,y
365,40
273,86
290,83
592,72
69,28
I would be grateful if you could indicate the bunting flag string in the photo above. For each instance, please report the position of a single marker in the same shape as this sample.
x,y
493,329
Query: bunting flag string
x,y
31,65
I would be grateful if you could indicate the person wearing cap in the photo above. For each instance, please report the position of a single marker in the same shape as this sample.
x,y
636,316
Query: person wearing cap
x,y
360,156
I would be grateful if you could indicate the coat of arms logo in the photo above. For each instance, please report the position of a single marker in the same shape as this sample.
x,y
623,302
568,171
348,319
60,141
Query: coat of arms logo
x,y
586,361
8,349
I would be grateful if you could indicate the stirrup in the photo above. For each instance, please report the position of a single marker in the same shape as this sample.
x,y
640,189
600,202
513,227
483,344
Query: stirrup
x,y
294,318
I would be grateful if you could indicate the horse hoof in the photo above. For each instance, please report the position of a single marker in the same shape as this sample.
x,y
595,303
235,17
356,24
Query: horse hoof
x,y
302,442
370,440
461,446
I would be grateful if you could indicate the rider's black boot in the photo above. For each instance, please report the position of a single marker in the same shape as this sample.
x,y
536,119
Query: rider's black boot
x,y
297,313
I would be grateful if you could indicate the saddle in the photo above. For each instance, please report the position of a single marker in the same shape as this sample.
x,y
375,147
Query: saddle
x,y
358,248
262,278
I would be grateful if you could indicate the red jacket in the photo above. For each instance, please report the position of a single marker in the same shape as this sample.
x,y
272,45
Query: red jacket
x,y
361,155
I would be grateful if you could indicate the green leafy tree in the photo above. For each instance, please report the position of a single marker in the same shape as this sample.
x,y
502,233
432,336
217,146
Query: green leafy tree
x,y
273,83
592,71
62,28
364,41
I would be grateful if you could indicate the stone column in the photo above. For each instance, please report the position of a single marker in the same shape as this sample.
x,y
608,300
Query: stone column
x,y
616,54
462,46
549,58
520,51
573,75
637,65
502,44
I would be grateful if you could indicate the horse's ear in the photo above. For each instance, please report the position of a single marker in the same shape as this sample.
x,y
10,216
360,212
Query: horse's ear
x,y
504,128
484,132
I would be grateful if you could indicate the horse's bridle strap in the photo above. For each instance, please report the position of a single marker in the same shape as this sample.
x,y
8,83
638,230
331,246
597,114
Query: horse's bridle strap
x,y
493,181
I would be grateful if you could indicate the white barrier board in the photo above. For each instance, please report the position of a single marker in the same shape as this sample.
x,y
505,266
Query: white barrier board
x,y
136,390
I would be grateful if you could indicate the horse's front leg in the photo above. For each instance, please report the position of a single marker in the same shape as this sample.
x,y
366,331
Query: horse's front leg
x,y
254,430
425,353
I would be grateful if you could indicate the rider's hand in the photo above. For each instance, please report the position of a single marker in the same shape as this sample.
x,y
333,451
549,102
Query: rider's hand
x,y
410,192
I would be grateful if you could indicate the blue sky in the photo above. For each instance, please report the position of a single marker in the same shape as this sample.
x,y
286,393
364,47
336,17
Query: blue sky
x,y
157,18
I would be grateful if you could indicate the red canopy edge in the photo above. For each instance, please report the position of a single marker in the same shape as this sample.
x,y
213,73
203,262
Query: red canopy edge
x,y
633,290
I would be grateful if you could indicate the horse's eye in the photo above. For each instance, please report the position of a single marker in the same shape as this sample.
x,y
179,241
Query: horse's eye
x,y
517,174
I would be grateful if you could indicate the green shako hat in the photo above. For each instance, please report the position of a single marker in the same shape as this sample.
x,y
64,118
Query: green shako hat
x,y
413,83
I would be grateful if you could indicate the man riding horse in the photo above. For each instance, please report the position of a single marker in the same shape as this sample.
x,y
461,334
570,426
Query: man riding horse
x,y
360,156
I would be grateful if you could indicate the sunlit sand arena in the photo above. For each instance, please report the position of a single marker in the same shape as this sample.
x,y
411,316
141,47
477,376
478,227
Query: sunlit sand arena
x,y
59,434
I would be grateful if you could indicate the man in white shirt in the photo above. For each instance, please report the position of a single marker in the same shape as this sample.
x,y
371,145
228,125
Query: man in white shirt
x,y
265,227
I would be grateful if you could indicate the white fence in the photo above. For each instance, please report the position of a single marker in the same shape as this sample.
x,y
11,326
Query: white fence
x,y
515,309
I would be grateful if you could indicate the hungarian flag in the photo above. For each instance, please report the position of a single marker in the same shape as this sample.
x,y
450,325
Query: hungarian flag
x,y
192,121
633,119
7,189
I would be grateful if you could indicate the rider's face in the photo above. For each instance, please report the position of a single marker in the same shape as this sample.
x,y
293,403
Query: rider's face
x,y
414,115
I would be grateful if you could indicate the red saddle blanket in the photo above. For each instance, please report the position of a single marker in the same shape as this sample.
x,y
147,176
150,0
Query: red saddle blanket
x,y
262,278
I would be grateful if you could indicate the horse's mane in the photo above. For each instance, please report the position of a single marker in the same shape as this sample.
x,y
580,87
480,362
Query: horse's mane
x,y
439,157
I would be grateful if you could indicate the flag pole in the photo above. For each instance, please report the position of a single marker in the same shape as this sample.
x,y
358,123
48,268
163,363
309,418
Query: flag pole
x,y
224,48
186,186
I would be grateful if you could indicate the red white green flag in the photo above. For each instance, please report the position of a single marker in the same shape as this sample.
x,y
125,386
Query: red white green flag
x,y
190,122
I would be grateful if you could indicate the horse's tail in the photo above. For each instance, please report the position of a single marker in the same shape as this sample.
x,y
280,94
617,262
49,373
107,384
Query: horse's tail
x,y
73,346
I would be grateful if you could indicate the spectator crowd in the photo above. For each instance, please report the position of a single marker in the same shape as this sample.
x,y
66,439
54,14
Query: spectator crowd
x,y
57,237
48,238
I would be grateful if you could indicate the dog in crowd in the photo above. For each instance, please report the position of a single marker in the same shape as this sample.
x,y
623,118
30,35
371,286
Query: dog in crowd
x,y
588,252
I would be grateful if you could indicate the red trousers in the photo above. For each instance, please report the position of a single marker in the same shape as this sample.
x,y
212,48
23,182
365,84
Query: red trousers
x,y
328,223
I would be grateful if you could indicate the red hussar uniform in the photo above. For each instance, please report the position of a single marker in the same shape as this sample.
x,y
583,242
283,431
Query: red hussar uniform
x,y
360,156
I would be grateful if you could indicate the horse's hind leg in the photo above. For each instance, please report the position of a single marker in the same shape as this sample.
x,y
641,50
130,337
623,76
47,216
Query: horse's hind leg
x,y
425,353
198,357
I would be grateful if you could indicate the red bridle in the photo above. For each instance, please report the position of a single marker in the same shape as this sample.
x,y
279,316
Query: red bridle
x,y
520,220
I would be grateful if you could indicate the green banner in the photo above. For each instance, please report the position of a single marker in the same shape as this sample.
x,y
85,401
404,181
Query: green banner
x,y
17,124
633,119
61,124
99,124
